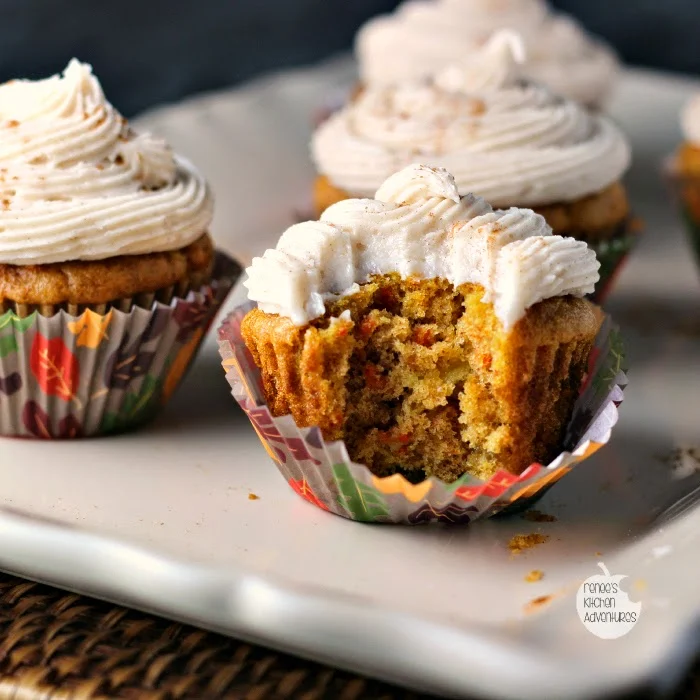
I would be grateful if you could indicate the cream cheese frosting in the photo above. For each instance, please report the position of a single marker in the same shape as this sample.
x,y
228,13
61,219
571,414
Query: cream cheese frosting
x,y
510,141
690,121
418,225
76,183
424,35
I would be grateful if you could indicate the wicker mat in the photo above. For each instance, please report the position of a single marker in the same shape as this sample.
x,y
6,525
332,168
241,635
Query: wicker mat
x,y
55,646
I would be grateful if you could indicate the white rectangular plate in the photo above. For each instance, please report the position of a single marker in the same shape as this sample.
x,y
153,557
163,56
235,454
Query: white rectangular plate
x,y
162,519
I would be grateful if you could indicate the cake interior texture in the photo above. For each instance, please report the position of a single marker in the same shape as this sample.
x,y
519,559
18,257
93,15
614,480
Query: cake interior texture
x,y
423,380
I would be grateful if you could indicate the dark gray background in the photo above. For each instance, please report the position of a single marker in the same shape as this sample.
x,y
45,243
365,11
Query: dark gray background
x,y
152,51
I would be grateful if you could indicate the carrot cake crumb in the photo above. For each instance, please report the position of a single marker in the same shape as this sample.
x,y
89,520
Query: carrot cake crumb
x,y
537,516
519,543
253,497
536,603
534,576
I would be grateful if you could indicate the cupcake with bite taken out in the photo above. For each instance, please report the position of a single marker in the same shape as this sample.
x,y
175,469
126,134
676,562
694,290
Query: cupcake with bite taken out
x,y
421,333
108,275
508,140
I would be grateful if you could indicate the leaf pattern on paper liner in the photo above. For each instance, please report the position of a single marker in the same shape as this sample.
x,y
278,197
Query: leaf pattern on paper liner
x,y
137,408
38,423
90,328
451,513
190,315
8,345
127,362
301,486
362,502
264,424
55,367
18,324
11,384
157,324
180,365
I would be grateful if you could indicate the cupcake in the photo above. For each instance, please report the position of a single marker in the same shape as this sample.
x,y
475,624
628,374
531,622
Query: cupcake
x,y
685,171
108,276
510,141
422,37
430,336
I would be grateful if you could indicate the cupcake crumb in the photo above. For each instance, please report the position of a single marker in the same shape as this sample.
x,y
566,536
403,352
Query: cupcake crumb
x,y
253,496
520,543
537,516
534,576
684,461
537,603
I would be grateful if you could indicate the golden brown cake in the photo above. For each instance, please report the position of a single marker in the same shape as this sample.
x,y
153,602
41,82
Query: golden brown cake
x,y
107,282
424,380
471,363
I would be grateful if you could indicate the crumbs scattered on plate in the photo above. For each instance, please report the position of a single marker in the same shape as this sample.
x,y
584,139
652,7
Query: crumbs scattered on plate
x,y
537,603
684,461
519,543
534,576
537,516
253,496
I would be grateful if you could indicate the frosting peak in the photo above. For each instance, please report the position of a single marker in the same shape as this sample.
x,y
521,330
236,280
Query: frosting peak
x,y
78,184
415,227
423,36
497,65
508,140
418,182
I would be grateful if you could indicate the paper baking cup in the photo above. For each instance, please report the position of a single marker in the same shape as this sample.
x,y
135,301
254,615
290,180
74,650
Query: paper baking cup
x,y
687,193
81,375
612,255
323,473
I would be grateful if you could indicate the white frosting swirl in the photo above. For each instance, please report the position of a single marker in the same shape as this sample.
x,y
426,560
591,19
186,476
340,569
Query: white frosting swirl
x,y
690,121
424,35
514,143
419,226
77,184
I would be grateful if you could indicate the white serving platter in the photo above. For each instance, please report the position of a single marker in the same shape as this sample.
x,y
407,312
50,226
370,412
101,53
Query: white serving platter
x,y
162,519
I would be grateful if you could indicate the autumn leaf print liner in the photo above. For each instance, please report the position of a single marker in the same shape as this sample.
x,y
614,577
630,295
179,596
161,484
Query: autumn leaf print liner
x,y
65,376
323,474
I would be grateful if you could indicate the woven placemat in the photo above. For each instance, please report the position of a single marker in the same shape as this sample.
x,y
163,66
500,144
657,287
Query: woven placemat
x,y
58,646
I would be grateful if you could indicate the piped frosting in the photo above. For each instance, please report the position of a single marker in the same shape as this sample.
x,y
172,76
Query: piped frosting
x,y
424,35
76,183
510,141
418,225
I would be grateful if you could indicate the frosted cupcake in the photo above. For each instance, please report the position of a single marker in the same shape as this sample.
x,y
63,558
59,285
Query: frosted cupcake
x,y
685,171
108,276
420,356
422,37
512,142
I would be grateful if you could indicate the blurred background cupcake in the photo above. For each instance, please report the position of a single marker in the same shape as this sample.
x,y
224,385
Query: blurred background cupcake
x,y
511,141
685,171
108,276
422,36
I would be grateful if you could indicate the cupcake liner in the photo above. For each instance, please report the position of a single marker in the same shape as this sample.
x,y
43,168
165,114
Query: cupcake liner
x,y
323,473
101,371
612,255
686,190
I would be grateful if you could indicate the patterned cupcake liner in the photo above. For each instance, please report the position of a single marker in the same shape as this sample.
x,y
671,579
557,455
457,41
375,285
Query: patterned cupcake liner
x,y
82,375
323,473
612,255
686,190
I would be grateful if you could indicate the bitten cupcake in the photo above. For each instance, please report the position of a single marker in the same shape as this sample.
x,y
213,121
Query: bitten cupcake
x,y
685,171
108,276
510,141
422,37
433,336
